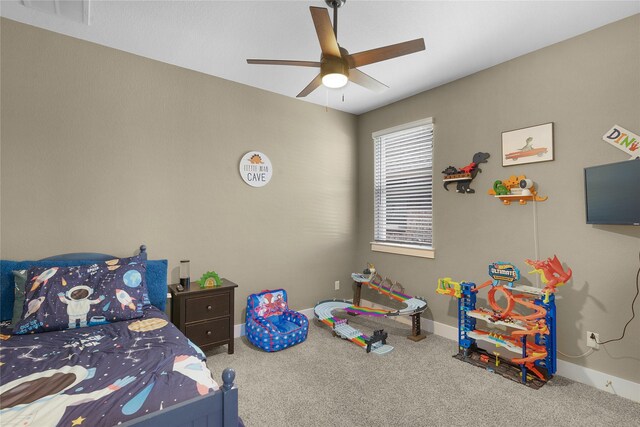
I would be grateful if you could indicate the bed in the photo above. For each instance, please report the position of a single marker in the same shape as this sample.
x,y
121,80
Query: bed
x,y
100,372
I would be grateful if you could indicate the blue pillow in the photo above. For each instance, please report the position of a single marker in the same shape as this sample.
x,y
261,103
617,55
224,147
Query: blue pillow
x,y
157,283
76,297
7,288
156,280
20,279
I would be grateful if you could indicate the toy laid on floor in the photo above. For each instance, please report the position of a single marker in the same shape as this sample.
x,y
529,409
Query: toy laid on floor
x,y
414,305
536,363
324,312
270,324
377,343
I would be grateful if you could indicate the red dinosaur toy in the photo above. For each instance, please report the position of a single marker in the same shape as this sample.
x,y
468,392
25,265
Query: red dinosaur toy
x,y
551,272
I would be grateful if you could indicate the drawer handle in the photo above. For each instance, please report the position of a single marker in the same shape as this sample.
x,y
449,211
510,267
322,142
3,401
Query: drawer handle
x,y
209,308
208,333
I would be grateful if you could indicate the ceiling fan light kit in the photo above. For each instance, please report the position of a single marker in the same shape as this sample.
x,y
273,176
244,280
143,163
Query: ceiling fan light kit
x,y
334,72
335,80
337,66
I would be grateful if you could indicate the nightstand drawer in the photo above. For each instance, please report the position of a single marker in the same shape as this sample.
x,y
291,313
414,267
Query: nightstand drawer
x,y
209,332
209,307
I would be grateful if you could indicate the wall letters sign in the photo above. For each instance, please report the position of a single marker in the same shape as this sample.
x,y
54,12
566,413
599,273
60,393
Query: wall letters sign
x,y
625,140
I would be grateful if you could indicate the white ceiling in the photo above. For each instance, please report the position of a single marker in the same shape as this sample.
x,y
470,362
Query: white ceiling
x,y
216,37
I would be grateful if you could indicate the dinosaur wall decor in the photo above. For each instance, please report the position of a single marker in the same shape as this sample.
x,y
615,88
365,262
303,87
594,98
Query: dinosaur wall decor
x,y
464,175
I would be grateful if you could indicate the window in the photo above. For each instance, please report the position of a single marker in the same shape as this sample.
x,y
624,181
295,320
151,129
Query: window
x,y
403,211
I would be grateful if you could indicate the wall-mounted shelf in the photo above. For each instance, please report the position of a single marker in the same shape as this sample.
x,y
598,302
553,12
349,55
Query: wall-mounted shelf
x,y
516,188
464,175
458,177
508,198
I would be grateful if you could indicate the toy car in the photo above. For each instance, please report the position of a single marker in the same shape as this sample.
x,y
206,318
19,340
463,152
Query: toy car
x,y
517,154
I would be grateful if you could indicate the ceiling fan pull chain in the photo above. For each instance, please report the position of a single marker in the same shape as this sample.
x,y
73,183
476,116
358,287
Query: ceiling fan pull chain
x,y
326,102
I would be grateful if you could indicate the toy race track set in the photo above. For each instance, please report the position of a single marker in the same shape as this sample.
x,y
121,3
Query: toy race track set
x,y
414,306
536,360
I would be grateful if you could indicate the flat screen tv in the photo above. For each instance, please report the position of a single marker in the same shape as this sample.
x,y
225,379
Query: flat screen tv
x,y
612,193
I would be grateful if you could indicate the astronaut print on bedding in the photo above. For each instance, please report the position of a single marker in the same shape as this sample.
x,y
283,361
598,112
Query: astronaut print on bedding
x,y
75,297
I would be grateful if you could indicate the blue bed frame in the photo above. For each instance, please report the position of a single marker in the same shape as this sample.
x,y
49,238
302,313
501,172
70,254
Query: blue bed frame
x,y
217,409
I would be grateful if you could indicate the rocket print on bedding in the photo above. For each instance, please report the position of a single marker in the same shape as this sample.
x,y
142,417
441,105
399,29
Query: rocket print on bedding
x,y
75,297
100,376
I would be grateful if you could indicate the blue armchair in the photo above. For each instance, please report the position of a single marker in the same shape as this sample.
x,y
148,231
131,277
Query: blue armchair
x,y
270,325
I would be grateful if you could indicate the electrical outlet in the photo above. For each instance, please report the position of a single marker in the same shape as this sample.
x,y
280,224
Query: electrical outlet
x,y
592,340
337,284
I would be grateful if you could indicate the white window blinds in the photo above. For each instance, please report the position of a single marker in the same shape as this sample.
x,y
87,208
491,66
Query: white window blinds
x,y
403,185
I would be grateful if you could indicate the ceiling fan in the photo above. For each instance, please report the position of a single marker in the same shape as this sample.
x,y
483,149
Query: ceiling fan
x,y
337,65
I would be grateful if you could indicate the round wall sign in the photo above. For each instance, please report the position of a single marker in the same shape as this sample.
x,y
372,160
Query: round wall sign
x,y
255,169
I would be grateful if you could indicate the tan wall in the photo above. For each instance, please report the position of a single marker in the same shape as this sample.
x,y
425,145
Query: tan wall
x,y
583,85
104,150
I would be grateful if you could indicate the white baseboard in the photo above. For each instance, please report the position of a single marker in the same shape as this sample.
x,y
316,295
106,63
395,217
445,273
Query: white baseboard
x,y
600,380
308,312
238,330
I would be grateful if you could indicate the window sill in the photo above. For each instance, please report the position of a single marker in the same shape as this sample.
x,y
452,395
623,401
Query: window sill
x,y
398,249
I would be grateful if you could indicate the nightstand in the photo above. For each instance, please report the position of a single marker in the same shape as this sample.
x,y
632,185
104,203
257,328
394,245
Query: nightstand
x,y
205,315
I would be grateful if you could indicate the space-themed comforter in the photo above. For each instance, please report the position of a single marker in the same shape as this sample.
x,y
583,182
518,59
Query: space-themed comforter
x,y
100,375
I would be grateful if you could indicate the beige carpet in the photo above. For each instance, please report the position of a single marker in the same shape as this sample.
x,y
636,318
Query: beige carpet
x,y
327,381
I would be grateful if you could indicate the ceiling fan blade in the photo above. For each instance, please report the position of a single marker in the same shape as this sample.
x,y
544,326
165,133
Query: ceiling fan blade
x,y
326,36
317,81
383,53
365,80
283,62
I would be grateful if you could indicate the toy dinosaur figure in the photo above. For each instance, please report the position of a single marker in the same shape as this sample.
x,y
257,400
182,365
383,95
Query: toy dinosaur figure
x,y
210,279
551,272
467,173
499,188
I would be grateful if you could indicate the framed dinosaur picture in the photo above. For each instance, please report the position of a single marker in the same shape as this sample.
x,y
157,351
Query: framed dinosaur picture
x,y
527,145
